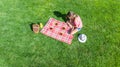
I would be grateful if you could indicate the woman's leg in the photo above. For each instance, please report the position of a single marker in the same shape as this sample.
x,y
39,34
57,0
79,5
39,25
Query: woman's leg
x,y
73,31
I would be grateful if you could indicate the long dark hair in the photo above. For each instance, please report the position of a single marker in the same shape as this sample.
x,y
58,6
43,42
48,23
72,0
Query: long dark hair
x,y
70,13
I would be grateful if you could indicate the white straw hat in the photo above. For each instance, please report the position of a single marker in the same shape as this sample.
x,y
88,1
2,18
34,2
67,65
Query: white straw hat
x,y
82,38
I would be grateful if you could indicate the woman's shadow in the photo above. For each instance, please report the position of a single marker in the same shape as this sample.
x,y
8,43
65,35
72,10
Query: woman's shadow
x,y
59,14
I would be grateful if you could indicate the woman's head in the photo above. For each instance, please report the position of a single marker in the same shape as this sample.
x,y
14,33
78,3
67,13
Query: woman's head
x,y
71,15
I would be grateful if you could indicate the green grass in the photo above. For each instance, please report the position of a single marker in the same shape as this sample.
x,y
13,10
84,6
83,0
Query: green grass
x,y
20,47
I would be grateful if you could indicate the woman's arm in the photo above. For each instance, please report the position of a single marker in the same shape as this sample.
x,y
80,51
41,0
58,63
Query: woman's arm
x,y
68,23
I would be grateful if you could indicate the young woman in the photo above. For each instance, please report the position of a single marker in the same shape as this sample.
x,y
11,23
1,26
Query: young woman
x,y
74,22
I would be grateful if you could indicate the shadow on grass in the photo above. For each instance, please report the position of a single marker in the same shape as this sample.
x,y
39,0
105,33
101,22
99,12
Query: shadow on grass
x,y
79,34
59,14
31,26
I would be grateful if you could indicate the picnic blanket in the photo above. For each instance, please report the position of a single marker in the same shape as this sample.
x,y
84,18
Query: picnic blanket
x,y
57,30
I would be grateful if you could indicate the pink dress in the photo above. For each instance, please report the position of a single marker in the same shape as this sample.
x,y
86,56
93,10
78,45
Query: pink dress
x,y
78,22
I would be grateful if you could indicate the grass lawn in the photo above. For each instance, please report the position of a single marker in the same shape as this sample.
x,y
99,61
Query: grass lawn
x,y
20,47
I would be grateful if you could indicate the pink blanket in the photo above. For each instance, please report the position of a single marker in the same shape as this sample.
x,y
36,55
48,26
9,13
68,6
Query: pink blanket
x,y
57,30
